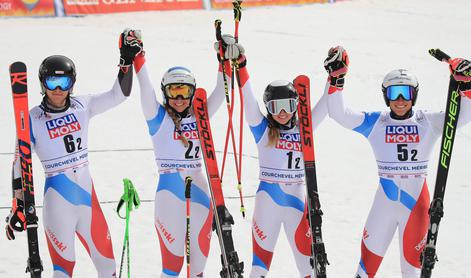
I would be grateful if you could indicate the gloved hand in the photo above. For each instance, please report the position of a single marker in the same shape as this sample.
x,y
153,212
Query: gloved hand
x,y
16,220
231,49
460,69
130,45
336,65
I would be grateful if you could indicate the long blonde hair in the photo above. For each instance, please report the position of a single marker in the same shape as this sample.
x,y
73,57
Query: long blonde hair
x,y
273,131
177,120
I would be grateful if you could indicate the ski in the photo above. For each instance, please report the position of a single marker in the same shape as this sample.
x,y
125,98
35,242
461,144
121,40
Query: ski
x,y
318,255
231,267
19,88
452,111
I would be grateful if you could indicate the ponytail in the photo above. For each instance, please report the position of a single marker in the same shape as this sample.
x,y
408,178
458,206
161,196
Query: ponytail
x,y
273,131
177,120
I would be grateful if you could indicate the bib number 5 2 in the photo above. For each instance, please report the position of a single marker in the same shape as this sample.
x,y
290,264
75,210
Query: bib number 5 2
x,y
403,153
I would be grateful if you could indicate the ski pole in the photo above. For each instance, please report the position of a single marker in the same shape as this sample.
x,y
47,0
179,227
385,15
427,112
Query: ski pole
x,y
237,16
130,198
230,130
188,181
230,108
428,256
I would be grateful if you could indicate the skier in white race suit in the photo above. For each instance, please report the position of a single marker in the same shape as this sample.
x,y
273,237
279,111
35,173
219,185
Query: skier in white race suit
x,y
402,140
281,194
59,135
173,130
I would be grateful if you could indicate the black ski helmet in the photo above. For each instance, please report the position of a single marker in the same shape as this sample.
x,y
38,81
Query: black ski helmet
x,y
280,89
56,65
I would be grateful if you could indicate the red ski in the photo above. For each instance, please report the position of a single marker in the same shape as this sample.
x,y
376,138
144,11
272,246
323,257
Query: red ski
x,y
231,267
19,87
318,254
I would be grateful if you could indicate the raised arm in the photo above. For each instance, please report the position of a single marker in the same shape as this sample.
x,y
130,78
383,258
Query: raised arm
x,y
461,71
217,96
235,51
227,51
130,45
320,110
150,105
336,65
251,108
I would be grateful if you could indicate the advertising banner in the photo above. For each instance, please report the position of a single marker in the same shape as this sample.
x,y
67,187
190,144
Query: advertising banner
x,y
27,8
224,4
76,7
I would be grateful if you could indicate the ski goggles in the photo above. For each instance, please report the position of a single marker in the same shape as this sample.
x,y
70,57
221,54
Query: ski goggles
x,y
290,105
396,91
65,83
173,91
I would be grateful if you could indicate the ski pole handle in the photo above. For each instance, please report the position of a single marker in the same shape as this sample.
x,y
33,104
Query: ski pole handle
x,y
237,10
188,181
237,16
439,55
217,25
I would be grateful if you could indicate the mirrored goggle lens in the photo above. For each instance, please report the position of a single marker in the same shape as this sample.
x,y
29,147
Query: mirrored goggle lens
x,y
173,91
404,91
290,105
65,83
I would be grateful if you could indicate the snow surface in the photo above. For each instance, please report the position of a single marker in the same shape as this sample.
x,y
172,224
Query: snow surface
x,y
281,42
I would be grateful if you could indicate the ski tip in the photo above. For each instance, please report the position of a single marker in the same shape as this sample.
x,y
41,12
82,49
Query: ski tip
x,y
200,92
18,66
301,78
439,55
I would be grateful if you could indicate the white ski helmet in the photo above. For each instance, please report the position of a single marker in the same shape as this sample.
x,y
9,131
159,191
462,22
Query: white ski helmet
x,y
177,75
400,77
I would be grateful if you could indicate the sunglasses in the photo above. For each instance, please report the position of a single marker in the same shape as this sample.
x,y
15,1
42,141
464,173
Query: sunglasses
x,y
290,105
65,83
396,91
173,91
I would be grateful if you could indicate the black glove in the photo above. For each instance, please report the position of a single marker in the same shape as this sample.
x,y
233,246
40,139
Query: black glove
x,y
336,64
16,219
130,45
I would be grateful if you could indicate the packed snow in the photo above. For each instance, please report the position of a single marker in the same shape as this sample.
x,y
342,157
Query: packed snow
x,y
281,42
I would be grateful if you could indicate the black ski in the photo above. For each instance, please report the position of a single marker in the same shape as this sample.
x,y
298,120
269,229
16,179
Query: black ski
x,y
231,267
429,256
19,87
318,257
